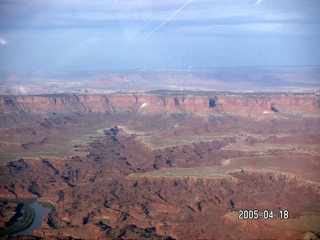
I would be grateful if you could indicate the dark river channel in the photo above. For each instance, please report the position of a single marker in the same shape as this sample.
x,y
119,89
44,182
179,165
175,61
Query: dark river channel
x,y
40,211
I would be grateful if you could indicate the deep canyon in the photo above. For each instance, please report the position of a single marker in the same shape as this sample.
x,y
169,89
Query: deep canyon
x,y
165,164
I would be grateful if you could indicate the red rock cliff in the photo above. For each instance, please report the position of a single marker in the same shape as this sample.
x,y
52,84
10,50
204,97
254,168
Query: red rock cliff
x,y
232,104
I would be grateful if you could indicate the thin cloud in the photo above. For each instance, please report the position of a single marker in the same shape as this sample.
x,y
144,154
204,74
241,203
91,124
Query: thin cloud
x,y
3,41
145,13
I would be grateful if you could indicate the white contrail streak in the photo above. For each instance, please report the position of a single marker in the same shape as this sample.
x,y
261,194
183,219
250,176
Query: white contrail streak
x,y
168,19
259,1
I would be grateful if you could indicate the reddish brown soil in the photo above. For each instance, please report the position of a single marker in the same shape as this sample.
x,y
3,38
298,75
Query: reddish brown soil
x,y
169,172
7,211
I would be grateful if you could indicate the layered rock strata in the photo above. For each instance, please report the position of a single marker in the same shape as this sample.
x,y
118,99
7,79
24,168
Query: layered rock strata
x,y
219,103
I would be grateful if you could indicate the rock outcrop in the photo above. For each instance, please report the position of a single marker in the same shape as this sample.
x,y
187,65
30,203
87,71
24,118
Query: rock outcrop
x,y
219,103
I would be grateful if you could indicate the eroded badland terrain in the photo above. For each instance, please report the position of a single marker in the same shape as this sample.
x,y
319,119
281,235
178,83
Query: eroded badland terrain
x,y
166,165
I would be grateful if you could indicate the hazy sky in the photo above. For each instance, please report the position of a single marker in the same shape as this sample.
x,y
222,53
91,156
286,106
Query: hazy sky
x,y
135,34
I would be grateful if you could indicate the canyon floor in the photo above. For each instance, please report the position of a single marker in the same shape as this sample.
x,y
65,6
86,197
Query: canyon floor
x,y
139,173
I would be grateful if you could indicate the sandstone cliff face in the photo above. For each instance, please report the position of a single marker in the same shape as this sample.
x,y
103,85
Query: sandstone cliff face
x,y
255,105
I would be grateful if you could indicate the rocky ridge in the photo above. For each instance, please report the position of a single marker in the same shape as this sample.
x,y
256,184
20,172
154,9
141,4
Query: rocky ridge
x,y
218,103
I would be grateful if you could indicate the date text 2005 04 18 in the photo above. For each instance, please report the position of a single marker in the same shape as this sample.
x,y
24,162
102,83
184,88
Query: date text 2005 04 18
x,y
266,214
